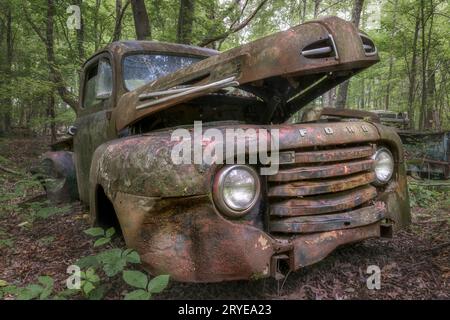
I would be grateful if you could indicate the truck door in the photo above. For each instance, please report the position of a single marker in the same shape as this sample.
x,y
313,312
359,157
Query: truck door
x,y
93,122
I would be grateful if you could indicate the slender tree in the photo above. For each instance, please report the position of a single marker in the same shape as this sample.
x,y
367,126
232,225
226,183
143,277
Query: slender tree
x,y
412,73
120,12
48,39
141,20
185,21
391,58
343,88
5,126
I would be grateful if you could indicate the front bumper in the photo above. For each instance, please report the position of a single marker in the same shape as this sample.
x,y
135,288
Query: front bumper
x,y
188,239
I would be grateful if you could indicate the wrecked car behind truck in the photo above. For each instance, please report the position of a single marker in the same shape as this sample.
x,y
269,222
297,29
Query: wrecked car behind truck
x,y
337,180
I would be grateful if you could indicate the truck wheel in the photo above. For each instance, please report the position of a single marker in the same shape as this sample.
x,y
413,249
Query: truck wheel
x,y
56,173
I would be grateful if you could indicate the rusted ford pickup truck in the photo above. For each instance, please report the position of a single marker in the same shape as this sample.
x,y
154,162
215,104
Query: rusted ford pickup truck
x,y
339,178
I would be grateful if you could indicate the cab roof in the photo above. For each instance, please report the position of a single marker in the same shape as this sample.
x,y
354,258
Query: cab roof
x,y
120,48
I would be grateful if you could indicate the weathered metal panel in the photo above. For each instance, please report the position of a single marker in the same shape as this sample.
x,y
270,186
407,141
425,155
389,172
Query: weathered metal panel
x,y
325,171
332,155
188,239
311,248
328,222
314,187
324,203
325,134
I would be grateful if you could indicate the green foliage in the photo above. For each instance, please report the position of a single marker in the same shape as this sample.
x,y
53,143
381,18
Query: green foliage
x,y
5,239
112,261
105,236
42,291
9,197
89,280
44,210
390,23
145,286
425,197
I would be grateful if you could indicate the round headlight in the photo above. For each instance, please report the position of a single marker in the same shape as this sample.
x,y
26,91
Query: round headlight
x,y
384,166
236,189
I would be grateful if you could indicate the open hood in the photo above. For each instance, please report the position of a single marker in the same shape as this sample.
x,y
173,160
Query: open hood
x,y
285,70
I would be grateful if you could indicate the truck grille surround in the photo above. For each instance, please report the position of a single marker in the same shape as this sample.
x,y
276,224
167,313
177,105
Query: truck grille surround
x,y
323,189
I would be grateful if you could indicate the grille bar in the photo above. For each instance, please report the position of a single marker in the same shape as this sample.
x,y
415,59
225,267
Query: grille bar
x,y
325,203
314,187
331,155
326,171
321,223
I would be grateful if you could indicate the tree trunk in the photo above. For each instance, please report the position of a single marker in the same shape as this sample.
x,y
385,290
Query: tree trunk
x,y
185,21
141,20
391,59
96,32
5,124
51,115
8,71
51,61
316,7
80,34
118,23
303,11
423,104
54,73
343,88
412,76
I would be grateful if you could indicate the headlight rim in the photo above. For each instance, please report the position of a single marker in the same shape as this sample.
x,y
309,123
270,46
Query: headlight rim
x,y
218,186
377,182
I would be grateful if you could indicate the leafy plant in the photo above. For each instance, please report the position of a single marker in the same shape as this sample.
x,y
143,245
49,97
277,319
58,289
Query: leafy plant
x,y
43,290
145,286
6,243
105,236
89,280
424,197
112,261
5,240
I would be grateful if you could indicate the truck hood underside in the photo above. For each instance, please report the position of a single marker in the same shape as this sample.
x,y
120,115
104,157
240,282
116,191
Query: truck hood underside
x,y
285,70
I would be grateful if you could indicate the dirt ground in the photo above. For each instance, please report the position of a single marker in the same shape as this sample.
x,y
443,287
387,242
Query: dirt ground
x,y
415,264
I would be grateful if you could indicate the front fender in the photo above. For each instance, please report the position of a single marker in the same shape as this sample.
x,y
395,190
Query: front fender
x,y
396,195
142,166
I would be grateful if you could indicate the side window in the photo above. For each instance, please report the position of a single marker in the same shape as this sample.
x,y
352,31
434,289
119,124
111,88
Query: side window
x,y
98,83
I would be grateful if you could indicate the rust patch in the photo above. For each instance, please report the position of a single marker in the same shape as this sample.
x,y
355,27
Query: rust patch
x,y
328,222
314,187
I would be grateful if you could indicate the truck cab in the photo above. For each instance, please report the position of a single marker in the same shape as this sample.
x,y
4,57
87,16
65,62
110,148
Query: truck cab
x,y
338,179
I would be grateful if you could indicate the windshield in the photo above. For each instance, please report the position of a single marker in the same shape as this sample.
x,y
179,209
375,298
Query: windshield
x,y
140,69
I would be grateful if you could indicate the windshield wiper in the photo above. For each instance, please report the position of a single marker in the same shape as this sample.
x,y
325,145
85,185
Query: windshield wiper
x,y
171,94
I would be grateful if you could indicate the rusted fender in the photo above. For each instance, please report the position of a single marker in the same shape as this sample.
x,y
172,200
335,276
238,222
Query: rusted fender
x,y
395,194
189,240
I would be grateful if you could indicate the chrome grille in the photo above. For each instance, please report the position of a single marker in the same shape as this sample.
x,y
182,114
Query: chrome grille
x,y
312,187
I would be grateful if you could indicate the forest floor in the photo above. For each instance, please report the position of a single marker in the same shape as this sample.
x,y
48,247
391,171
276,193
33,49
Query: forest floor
x,y
34,241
